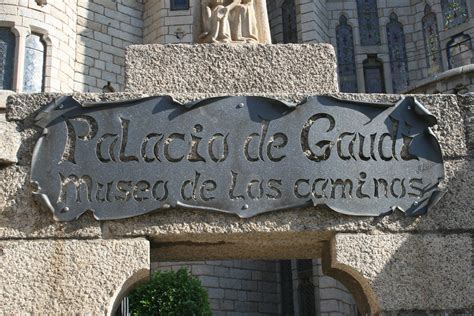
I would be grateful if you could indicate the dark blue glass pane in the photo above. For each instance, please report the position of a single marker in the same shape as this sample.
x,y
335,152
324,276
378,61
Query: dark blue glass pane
x,y
373,81
398,55
346,57
33,76
373,75
288,12
431,37
368,22
7,56
179,4
454,12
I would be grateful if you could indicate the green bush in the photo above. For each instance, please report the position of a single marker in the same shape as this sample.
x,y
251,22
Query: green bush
x,y
170,293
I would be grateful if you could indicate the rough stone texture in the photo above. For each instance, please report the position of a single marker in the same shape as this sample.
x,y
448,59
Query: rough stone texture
x,y
201,235
21,217
231,69
409,271
9,143
80,277
468,102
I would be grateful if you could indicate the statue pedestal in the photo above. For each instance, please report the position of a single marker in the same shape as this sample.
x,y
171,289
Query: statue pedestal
x,y
199,71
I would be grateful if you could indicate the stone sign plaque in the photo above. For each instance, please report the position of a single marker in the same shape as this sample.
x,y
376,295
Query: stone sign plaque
x,y
240,155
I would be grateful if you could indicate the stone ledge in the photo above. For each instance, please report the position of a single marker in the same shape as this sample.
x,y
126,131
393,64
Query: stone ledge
x,y
231,69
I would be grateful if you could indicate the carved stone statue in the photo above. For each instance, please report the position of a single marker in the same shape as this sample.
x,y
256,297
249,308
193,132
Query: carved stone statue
x,y
243,25
236,21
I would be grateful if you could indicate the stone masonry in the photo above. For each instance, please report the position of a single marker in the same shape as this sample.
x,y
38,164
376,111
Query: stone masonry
x,y
235,287
390,264
104,29
86,39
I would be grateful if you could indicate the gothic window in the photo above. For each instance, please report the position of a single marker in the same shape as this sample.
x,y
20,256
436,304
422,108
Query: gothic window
x,y
345,56
373,74
288,12
460,51
454,12
179,5
33,77
7,56
398,54
432,46
368,22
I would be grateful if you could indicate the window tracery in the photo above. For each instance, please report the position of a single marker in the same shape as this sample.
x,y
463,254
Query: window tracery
x,y
454,12
432,45
368,22
397,53
346,56
460,51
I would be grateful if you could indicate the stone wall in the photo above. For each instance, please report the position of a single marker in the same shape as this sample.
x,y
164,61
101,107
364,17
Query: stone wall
x,y
56,22
166,26
390,264
313,21
275,20
366,244
244,286
410,14
235,287
333,295
86,39
104,29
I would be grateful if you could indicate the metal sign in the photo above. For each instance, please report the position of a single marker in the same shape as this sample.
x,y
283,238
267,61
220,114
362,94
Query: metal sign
x,y
240,155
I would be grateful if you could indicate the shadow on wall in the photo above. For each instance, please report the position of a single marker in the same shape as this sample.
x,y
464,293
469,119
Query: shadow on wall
x,y
425,266
104,30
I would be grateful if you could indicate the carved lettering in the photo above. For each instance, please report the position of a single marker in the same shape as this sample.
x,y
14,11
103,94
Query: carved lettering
x,y
245,155
324,145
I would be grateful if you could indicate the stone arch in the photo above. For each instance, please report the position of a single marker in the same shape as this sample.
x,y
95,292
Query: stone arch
x,y
274,246
138,278
359,287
